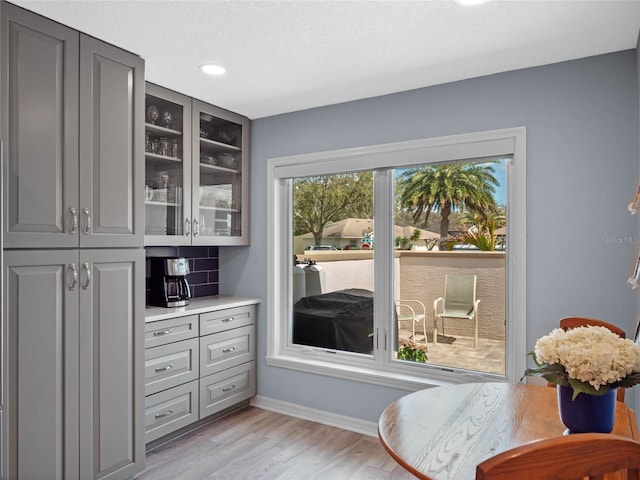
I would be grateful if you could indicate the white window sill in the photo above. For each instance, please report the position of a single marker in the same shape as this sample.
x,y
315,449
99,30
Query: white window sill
x,y
432,376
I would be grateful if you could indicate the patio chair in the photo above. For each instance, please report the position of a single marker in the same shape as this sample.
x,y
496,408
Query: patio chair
x,y
413,311
585,455
459,302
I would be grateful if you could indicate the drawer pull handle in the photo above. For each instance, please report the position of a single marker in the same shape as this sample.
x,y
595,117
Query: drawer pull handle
x,y
228,350
164,414
228,319
229,388
164,369
163,332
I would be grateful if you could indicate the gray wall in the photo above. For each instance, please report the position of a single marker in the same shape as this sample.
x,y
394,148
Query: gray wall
x,y
633,396
582,153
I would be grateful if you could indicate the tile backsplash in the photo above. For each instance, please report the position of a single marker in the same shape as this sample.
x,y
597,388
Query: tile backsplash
x,y
203,264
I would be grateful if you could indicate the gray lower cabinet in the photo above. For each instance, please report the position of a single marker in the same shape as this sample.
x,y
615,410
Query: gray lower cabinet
x,y
169,365
74,351
229,318
170,410
226,388
196,366
71,137
171,330
226,349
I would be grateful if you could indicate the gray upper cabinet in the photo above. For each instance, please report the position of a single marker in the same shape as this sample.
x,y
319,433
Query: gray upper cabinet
x,y
39,128
72,399
167,167
197,172
220,176
72,138
111,146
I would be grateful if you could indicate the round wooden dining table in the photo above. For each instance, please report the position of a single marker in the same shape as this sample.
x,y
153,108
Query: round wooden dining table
x,y
442,433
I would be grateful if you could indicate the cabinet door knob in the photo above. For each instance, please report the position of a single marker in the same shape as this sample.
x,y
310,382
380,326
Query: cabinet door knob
x,y
187,227
196,228
162,332
229,388
228,350
164,369
227,319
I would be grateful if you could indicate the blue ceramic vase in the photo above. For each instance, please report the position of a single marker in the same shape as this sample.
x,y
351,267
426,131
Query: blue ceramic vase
x,y
587,413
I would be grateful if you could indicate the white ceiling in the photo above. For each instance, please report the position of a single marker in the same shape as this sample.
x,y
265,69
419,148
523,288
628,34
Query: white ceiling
x,y
283,56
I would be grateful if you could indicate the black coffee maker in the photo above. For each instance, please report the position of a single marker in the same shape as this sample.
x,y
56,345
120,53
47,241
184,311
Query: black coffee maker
x,y
167,284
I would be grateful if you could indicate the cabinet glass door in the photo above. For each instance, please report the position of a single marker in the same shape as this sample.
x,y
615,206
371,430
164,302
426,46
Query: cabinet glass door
x,y
167,151
219,169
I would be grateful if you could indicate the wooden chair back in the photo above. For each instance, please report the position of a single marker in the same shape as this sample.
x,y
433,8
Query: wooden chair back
x,y
568,323
595,456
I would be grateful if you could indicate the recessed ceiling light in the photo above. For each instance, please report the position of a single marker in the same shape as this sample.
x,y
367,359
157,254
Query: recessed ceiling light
x,y
212,69
469,3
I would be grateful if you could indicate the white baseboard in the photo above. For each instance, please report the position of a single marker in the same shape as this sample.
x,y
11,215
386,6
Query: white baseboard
x,y
357,425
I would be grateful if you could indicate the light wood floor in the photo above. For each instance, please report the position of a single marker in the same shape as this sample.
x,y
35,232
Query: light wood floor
x,y
256,444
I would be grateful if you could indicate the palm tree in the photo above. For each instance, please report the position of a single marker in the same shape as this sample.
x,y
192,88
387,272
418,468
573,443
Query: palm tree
x,y
446,188
481,228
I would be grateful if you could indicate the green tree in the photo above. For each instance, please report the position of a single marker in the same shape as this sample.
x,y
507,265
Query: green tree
x,y
318,201
402,243
415,236
480,229
447,188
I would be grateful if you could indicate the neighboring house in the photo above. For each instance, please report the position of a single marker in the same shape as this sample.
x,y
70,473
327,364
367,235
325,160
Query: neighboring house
x,y
420,244
352,232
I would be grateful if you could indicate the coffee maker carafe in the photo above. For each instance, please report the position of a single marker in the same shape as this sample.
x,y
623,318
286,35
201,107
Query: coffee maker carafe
x,y
167,284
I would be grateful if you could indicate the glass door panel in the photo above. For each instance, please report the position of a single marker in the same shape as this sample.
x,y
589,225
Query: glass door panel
x,y
219,195
165,174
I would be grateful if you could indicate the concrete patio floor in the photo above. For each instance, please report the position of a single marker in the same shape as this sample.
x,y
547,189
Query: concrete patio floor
x,y
458,352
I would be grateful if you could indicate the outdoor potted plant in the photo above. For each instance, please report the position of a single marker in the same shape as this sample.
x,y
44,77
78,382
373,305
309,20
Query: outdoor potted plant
x,y
587,364
410,350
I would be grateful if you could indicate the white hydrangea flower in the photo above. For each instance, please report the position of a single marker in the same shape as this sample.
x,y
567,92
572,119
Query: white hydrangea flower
x,y
593,355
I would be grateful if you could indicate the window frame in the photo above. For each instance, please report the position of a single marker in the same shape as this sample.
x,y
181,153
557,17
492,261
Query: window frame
x,y
380,368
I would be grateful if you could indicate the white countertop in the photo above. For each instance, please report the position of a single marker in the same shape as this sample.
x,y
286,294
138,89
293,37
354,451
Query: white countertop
x,y
196,306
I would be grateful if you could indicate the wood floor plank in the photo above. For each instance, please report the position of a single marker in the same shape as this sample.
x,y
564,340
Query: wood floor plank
x,y
255,444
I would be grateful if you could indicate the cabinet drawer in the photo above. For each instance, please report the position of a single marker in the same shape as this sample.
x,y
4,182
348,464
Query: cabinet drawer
x,y
170,410
226,388
171,330
169,365
226,349
220,320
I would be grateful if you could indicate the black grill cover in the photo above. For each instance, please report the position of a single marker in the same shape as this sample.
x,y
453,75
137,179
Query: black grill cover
x,y
341,320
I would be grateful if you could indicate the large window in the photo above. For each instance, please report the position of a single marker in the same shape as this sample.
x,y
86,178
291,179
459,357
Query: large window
x,y
433,293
